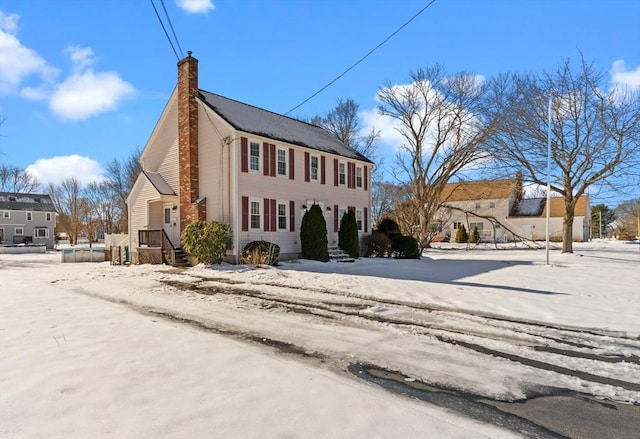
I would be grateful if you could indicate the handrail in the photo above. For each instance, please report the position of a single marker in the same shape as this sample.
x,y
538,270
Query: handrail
x,y
168,248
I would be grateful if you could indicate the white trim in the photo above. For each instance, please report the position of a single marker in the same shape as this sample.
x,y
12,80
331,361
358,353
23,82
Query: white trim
x,y
48,216
235,198
15,231
46,234
6,214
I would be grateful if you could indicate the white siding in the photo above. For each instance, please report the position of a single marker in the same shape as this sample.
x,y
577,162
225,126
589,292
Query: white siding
x,y
214,164
163,137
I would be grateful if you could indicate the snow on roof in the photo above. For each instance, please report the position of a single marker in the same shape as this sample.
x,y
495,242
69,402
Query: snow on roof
x,y
254,120
26,202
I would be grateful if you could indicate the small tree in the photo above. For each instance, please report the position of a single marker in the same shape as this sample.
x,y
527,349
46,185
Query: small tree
x,y
348,235
313,235
475,235
461,234
207,240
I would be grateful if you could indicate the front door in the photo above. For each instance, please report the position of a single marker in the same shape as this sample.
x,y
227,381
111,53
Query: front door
x,y
170,224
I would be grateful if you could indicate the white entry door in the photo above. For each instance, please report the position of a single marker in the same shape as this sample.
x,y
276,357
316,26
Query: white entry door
x,y
170,224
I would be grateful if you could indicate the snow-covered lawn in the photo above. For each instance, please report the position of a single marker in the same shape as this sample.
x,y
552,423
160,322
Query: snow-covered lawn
x,y
92,350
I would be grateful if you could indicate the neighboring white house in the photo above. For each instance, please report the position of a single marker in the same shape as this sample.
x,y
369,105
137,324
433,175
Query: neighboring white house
x,y
27,219
499,211
213,158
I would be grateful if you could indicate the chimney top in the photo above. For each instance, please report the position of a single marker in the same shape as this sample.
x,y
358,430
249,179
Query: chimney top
x,y
189,53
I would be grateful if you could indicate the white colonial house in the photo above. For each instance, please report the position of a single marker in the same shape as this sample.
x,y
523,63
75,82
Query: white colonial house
x,y
27,219
501,213
214,158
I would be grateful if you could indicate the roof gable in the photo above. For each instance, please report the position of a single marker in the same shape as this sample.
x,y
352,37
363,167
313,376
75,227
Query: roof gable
x,y
26,202
254,120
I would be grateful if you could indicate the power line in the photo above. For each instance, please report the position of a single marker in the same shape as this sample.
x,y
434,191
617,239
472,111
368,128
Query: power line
x,y
362,59
165,30
175,37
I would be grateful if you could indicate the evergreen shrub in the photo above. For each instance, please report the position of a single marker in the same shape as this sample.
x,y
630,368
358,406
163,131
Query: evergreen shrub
x,y
461,234
348,235
475,235
405,247
208,241
313,235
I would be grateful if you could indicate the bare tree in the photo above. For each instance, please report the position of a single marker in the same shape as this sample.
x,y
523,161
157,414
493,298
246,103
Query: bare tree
x,y
444,122
627,223
121,176
70,205
103,205
594,133
14,179
384,196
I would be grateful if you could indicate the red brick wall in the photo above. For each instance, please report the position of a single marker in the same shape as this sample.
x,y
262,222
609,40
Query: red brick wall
x,y
188,142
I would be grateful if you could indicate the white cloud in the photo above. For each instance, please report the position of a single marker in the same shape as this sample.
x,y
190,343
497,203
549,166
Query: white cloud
x,y
17,61
623,77
196,6
82,57
386,125
56,169
87,94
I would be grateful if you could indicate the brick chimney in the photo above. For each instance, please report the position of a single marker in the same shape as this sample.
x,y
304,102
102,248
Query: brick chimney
x,y
192,208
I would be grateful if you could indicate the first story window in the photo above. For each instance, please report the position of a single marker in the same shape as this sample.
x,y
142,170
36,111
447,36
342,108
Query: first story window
x,y
48,216
359,219
254,214
456,225
282,216
29,216
282,162
19,231
254,156
41,232
314,167
480,226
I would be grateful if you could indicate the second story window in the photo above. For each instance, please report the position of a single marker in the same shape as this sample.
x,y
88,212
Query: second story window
x,y
282,162
254,157
314,168
5,214
358,177
29,216
48,216
342,174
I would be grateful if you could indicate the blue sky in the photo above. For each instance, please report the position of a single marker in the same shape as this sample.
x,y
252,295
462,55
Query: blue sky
x,y
83,82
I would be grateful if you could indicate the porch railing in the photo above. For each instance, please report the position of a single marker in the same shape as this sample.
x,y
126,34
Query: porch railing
x,y
158,238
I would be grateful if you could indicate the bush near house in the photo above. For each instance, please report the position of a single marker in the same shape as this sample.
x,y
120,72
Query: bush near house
x,y
260,253
376,245
461,234
313,235
348,235
404,247
208,241
388,227
475,235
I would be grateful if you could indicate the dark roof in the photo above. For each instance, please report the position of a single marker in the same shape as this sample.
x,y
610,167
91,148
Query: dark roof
x,y
159,183
254,120
26,202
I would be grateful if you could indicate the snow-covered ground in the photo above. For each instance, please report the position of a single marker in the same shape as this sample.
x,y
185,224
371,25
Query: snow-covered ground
x,y
92,350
